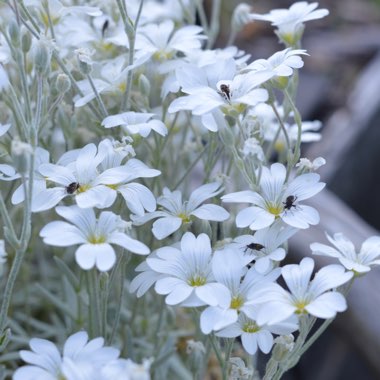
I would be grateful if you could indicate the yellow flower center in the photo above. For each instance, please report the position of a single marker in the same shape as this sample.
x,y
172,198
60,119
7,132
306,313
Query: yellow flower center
x,y
250,327
83,188
197,280
185,218
274,209
300,305
236,302
94,239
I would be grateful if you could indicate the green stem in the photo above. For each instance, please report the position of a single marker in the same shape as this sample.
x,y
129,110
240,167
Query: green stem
x,y
298,120
7,295
190,168
214,23
98,97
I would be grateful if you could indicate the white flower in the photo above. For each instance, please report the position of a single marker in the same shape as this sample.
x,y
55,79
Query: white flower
x,y
314,297
228,268
136,122
264,246
175,212
95,236
310,166
163,43
253,148
282,62
344,251
83,180
277,199
254,335
188,276
217,85
81,359
289,22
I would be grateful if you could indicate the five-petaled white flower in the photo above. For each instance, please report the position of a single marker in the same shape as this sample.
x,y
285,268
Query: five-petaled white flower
x,y
95,236
229,269
175,212
136,122
278,199
282,63
254,335
316,297
91,187
345,252
218,85
80,359
289,22
264,247
188,275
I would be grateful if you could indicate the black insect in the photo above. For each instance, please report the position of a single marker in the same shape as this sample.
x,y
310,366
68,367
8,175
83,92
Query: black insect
x,y
72,188
225,91
289,202
254,246
104,27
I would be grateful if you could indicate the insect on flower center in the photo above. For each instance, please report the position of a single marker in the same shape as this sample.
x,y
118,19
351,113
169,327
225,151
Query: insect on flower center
x,y
236,302
197,280
250,327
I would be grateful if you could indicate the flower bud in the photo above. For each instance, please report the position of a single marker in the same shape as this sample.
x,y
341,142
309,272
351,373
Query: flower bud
x,y
84,60
41,57
240,17
14,33
26,41
63,83
284,344
144,85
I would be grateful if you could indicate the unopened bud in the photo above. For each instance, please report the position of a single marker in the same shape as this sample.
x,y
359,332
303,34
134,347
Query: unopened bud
x,y
284,344
240,17
26,41
84,60
63,83
14,33
41,57
144,85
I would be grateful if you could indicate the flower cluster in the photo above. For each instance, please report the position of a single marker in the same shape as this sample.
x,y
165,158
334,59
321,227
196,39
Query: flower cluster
x,y
81,358
146,140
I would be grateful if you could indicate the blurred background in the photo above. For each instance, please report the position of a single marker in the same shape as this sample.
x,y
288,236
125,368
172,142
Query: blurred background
x,y
339,85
